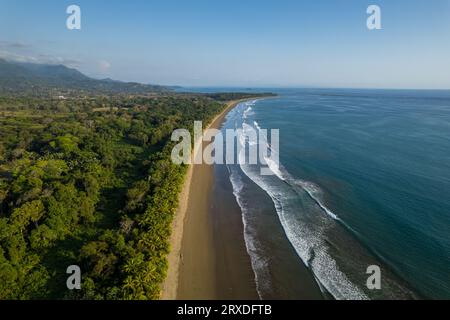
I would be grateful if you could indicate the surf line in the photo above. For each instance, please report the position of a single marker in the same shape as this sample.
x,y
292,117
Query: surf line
x,y
221,150
324,209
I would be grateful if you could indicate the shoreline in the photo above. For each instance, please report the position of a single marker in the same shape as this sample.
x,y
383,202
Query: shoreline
x,y
170,286
209,258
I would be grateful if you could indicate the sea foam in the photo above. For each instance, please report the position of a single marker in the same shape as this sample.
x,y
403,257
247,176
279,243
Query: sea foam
x,y
308,241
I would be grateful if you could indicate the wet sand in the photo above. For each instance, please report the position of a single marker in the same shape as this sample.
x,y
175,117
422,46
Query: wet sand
x,y
196,260
209,259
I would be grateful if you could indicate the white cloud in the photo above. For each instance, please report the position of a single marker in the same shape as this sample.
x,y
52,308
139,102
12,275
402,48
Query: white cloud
x,y
41,59
13,44
104,65
16,57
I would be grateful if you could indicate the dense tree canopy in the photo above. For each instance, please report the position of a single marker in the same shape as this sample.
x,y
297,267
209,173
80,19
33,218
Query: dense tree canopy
x,y
89,182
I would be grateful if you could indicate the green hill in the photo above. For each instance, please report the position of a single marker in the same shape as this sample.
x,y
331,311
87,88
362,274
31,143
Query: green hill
x,y
42,79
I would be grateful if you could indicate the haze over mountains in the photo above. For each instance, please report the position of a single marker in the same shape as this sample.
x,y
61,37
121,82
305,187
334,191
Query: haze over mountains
x,y
23,78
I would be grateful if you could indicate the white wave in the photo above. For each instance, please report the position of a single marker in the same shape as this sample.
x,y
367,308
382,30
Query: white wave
x,y
308,239
274,167
315,193
248,130
259,263
264,140
247,112
307,242
246,136
256,125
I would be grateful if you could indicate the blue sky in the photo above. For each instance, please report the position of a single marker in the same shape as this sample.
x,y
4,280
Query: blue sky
x,y
320,43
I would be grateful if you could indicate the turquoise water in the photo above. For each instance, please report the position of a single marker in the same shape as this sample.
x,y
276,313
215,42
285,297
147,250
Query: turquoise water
x,y
365,180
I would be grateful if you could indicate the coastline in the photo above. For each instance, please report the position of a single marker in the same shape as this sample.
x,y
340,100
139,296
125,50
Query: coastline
x,y
209,258
193,205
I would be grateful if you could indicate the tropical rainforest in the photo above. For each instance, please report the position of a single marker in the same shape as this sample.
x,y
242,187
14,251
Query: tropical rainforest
x,y
88,181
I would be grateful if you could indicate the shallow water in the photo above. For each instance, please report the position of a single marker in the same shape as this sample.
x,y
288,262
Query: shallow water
x,y
364,180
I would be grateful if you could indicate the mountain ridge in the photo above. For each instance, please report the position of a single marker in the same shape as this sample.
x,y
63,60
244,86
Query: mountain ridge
x,y
34,78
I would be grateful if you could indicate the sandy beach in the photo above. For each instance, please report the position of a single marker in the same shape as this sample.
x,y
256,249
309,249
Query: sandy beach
x,y
194,256
209,258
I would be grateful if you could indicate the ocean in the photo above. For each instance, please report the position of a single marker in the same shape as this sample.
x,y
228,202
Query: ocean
x,y
364,180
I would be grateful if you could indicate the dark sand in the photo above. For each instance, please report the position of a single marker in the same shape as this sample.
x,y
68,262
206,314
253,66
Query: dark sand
x,y
212,265
213,262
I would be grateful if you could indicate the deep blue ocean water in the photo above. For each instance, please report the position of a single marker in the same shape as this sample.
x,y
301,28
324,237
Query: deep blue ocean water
x,y
365,180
